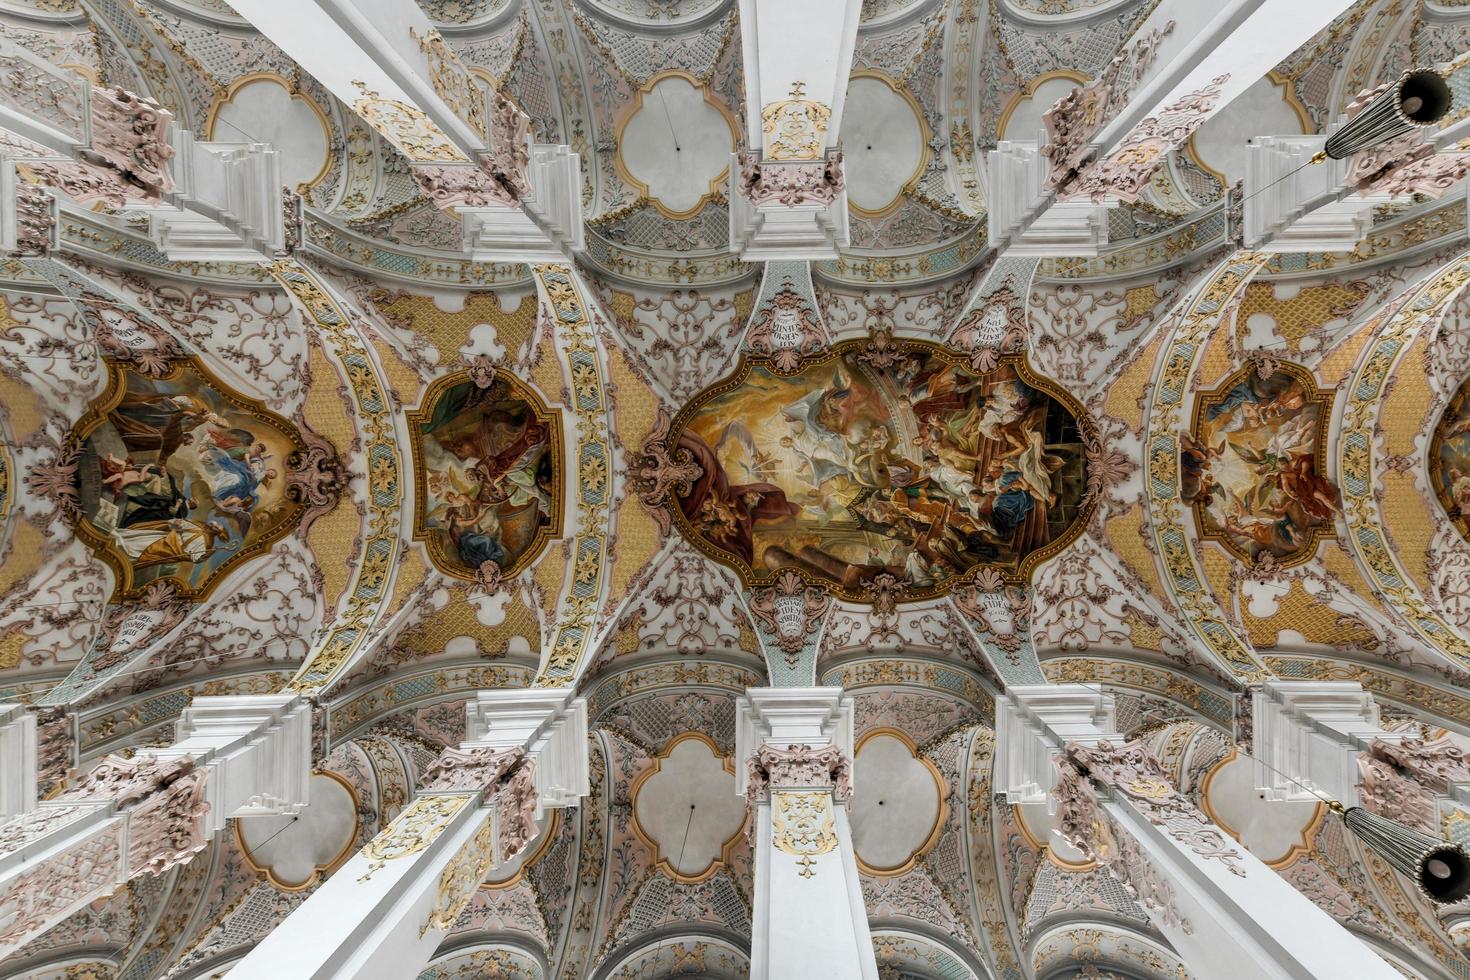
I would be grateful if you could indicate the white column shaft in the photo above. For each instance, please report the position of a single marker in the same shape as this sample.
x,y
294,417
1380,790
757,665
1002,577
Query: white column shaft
x,y
372,917
1226,925
383,913
810,920
17,760
809,917
1245,927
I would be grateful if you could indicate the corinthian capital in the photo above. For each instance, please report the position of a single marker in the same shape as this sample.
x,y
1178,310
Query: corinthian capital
x,y
798,766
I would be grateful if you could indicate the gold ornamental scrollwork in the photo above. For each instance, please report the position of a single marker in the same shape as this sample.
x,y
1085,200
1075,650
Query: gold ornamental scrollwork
x,y
795,128
413,830
407,128
804,827
380,545
462,875
452,81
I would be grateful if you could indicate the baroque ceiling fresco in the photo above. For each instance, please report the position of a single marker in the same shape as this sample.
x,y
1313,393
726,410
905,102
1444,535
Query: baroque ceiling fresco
x,y
361,450
867,463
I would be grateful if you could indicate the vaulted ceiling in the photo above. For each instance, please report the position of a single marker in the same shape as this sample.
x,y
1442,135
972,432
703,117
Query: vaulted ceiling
x,y
1244,465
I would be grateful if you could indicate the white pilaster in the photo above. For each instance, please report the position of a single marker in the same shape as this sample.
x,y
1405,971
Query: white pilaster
x,y
1032,721
226,203
549,724
385,911
1308,737
385,60
1015,172
257,748
1228,915
251,753
1294,205
17,761
1190,60
787,192
809,918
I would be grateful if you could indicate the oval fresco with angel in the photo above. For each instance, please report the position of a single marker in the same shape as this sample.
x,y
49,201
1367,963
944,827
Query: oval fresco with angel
x,y
906,463
487,474
1254,464
179,477
1449,459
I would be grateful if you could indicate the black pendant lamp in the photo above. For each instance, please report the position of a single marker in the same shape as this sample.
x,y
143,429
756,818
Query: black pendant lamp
x,y
1420,97
1440,868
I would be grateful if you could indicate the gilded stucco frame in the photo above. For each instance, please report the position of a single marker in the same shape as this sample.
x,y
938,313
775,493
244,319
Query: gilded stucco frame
x,y
941,793
663,864
1452,409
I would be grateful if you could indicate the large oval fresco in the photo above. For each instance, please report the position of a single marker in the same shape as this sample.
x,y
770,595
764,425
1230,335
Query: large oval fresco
x,y
1253,465
860,465
179,477
1449,459
487,474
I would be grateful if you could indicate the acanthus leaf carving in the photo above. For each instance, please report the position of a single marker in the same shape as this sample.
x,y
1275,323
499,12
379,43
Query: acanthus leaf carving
x,y
1106,466
166,805
1084,824
791,610
1386,791
998,327
1133,772
785,330
455,185
797,766
130,136
509,161
55,479
658,472
1435,765
153,615
1124,173
791,183
515,804
56,747
35,222
315,476
466,770
1073,120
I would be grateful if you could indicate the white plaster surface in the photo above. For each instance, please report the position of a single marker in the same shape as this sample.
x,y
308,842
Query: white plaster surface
x,y
1025,121
692,792
1269,829
1260,109
294,848
894,811
262,111
882,143
676,143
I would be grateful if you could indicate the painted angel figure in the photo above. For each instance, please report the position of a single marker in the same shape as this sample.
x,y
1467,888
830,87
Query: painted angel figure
x,y
1287,463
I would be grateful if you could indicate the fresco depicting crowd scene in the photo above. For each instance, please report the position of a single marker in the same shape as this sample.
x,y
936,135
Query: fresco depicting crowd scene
x,y
177,476
487,474
922,470
1251,468
1450,459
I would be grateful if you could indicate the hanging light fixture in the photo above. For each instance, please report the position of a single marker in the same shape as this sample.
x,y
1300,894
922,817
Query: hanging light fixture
x,y
1420,97
1439,867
